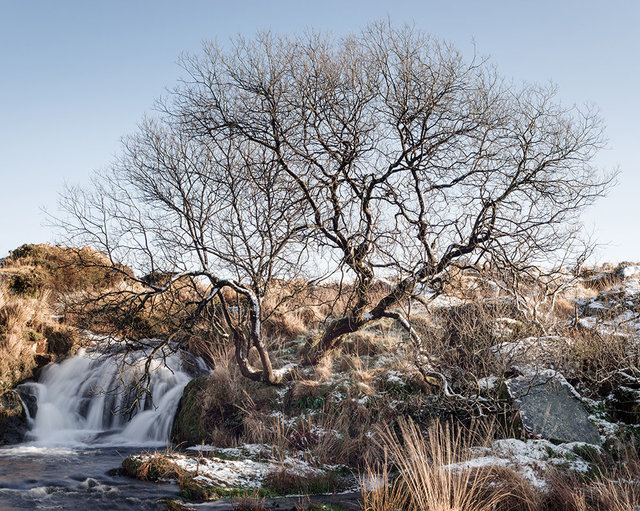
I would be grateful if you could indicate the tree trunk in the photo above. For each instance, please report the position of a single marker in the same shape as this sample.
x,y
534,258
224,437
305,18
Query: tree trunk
x,y
331,339
338,329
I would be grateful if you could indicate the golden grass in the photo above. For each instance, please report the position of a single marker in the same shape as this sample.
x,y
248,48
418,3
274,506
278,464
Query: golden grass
x,y
27,330
431,472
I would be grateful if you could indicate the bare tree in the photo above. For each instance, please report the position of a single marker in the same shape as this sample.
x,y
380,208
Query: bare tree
x,y
383,154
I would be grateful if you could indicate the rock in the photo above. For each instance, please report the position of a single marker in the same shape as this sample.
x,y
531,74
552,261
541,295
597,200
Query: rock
x,y
550,408
13,418
541,352
596,308
623,397
504,328
187,425
27,393
628,271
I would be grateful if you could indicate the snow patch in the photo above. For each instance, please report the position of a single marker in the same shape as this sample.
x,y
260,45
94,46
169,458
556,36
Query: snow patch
x,y
531,459
630,271
241,473
488,383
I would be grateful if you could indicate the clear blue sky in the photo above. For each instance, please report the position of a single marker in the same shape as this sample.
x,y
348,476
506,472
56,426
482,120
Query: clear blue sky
x,y
77,75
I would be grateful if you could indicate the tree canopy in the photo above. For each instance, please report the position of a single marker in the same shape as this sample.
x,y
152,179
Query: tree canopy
x,y
380,155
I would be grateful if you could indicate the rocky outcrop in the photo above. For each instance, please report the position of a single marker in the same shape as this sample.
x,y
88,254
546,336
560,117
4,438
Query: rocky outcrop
x,y
550,408
13,418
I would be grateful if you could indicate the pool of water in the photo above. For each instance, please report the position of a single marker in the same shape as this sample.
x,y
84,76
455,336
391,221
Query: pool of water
x,y
33,477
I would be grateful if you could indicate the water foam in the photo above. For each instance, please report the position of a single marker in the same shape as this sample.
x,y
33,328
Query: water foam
x,y
90,399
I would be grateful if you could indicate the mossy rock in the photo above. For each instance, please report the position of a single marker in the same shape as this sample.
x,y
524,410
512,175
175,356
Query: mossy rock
x,y
325,507
193,489
188,423
130,466
175,505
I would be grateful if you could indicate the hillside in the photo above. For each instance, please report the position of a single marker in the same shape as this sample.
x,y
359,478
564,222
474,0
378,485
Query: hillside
x,y
529,399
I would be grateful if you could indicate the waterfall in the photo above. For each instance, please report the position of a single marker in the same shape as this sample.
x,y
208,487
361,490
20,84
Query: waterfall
x,y
90,398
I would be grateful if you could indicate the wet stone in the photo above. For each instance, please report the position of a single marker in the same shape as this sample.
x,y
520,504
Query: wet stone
x,y
13,419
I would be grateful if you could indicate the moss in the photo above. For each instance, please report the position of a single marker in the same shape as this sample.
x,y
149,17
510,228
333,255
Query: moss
x,y
307,395
192,489
219,403
176,505
13,419
250,504
25,284
130,466
32,335
589,453
188,424
285,482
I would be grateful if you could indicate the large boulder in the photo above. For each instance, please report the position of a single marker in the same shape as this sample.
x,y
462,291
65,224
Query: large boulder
x,y
549,407
13,418
188,422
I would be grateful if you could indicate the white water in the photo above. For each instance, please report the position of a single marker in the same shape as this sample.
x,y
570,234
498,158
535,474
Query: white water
x,y
87,400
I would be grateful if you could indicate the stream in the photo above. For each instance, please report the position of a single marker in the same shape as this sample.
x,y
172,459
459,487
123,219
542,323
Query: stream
x,y
75,479
82,426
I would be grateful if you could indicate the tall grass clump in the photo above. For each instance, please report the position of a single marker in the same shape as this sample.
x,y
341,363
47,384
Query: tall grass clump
x,y
433,472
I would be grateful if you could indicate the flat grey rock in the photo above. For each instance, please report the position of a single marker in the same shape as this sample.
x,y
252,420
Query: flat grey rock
x,y
550,408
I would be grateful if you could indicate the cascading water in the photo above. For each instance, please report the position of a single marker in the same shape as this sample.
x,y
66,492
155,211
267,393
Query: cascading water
x,y
89,399
79,433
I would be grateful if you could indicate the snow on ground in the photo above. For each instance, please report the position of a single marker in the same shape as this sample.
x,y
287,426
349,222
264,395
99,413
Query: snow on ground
x,y
630,288
533,351
237,473
627,322
242,451
445,301
532,459
615,310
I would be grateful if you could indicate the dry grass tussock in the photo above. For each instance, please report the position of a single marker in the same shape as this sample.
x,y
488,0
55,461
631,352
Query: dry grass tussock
x,y
297,308
324,419
29,336
614,487
432,475
34,281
